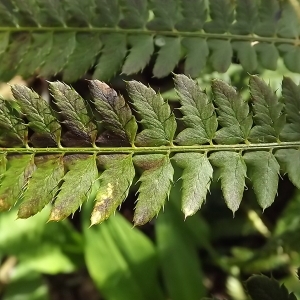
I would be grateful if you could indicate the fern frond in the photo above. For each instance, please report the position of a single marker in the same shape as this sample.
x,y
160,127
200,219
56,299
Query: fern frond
x,y
65,151
70,37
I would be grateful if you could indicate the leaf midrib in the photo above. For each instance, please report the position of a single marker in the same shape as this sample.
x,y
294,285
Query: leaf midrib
x,y
174,33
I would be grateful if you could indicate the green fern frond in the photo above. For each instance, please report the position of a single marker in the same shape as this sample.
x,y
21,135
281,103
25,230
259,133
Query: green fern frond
x,y
60,158
70,37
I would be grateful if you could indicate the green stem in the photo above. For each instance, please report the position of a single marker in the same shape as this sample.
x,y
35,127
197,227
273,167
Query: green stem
x,y
161,149
175,33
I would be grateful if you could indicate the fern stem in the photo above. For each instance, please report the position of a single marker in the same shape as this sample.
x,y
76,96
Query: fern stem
x,y
161,149
175,33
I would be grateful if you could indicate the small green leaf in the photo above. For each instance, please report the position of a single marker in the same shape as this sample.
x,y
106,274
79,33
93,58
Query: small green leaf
x,y
76,187
196,55
83,57
268,117
75,110
62,47
12,57
55,11
221,54
42,186
291,56
165,14
83,11
289,159
267,55
141,49
232,174
288,25
4,41
291,95
38,112
261,287
112,56
18,170
155,185
194,14
3,162
234,117
157,120
135,14
246,17
198,113
168,56
114,111
35,56
196,179
268,18
222,16
263,171
115,182
107,13
12,130
246,55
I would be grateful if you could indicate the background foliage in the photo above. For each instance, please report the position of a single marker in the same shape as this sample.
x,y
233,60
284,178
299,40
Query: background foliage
x,y
209,254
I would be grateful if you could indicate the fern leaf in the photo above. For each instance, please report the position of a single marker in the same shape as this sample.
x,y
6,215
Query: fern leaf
x,y
63,46
36,173
83,57
196,178
112,56
291,57
74,109
166,14
194,62
70,37
82,10
261,287
291,95
12,57
263,170
76,187
155,185
289,160
107,12
38,112
3,162
112,193
268,16
40,48
42,186
221,13
18,170
221,54
246,17
194,14
199,116
158,122
268,55
168,56
232,174
142,48
233,114
4,42
268,115
246,55
12,130
135,14
114,111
